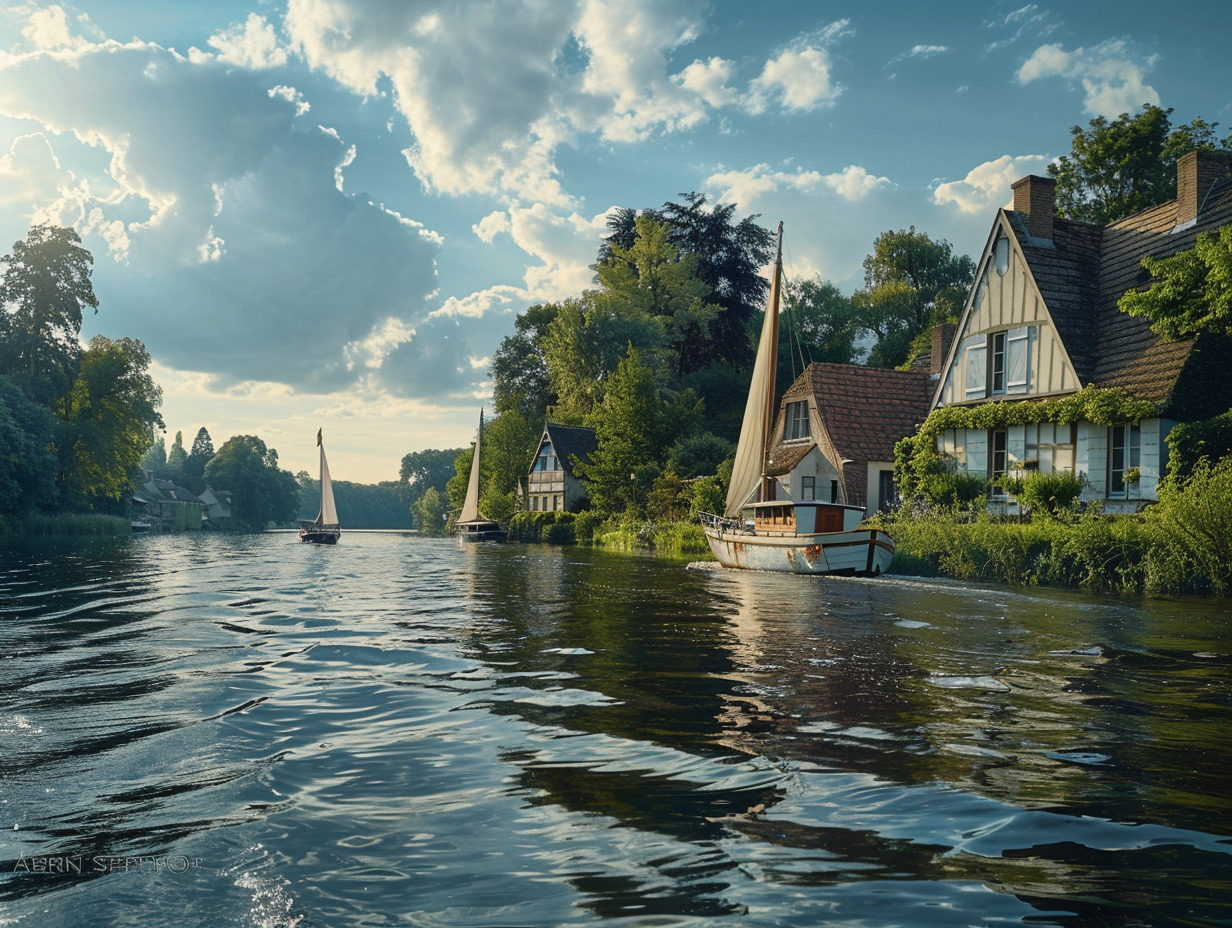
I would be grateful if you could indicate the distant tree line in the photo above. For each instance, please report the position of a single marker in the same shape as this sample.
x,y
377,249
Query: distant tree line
x,y
80,426
656,356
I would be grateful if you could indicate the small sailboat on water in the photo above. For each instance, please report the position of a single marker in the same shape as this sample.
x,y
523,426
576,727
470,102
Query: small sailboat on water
x,y
470,525
761,532
325,530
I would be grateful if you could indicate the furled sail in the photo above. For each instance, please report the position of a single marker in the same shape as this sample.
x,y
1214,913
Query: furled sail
x,y
470,508
750,464
329,515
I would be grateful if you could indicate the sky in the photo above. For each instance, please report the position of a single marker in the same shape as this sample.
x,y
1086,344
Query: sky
x,y
327,213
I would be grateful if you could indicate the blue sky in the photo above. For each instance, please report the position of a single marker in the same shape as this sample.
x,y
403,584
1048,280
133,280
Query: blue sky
x,y
326,213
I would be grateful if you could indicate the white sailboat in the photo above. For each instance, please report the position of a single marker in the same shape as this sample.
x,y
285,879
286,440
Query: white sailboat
x,y
757,530
470,525
326,529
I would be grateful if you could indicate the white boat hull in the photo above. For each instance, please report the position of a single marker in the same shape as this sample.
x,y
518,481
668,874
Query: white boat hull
x,y
864,552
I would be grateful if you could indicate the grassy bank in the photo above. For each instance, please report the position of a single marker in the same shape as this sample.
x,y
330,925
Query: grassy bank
x,y
670,539
1180,545
64,524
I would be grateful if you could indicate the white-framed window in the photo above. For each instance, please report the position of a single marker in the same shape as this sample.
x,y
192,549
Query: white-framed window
x,y
1124,453
1049,448
997,340
975,351
1018,359
952,444
1001,255
998,440
797,424
547,459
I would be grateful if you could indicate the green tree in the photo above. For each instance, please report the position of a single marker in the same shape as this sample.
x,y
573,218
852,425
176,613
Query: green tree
x,y
105,422
455,489
508,443
193,470
42,295
1190,292
1119,168
177,455
520,378
730,255
422,470
586,341
261,493
155,458
652,279
818,324
911,283
629,431
429,512
28,464
699,455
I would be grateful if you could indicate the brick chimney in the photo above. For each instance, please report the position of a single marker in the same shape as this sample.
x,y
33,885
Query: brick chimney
x,y
1034,196
943,337
1195,173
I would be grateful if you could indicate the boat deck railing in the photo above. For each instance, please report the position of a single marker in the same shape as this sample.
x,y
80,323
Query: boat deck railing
x,y
723,524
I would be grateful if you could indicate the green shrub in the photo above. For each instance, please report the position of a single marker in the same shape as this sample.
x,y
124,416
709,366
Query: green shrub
x,y
1049,494
1194,523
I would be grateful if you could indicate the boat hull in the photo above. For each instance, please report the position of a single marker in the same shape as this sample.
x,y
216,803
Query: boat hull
x,y
320,536
859,552
472,532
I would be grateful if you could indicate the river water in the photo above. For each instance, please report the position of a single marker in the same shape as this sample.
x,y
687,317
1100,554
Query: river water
x,y
246,731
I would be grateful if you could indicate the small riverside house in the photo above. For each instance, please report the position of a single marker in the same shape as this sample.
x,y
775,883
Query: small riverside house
x,y
1042,322
551,485
836,430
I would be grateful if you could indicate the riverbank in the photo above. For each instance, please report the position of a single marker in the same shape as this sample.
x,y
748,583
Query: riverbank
x,y
63,524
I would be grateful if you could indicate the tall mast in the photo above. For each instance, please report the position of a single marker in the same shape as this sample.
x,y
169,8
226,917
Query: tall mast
x,y
767,482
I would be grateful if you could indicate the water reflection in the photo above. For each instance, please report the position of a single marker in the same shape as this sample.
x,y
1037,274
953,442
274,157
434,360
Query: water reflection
x,y
402,731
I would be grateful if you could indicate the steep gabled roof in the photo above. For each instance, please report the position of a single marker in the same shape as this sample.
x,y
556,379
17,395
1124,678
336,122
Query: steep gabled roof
x,y
569,442
1066,270
1084,270
865,411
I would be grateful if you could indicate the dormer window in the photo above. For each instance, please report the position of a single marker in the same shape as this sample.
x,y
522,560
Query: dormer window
x,y
547,460
796,424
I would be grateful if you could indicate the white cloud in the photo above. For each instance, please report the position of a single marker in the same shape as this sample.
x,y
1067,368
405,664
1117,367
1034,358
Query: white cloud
x,y
745,188
49,29
251,44
1112,75
479,304
928,51
798,77
215,203
291,95
492,225
710,81
987,186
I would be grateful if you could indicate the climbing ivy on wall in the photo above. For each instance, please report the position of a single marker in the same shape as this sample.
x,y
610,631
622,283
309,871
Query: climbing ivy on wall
x,y
916,456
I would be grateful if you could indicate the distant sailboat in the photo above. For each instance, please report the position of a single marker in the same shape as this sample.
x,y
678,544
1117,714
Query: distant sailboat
x,y
325,530
798,536
470,524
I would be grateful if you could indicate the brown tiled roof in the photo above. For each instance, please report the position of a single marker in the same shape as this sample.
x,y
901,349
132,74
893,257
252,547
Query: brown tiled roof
x,y
865,411
786,455
1082,273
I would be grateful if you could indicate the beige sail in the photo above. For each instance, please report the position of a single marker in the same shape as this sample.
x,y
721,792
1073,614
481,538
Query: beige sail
x,y
470,508
750,464
329,515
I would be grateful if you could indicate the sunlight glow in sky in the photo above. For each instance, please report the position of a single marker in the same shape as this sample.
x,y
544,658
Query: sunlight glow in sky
x,y
326,213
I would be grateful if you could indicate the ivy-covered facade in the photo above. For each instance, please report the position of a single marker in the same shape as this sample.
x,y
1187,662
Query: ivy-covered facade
x,y
1045,374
